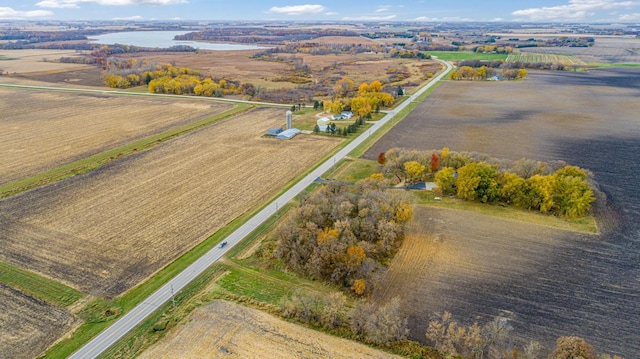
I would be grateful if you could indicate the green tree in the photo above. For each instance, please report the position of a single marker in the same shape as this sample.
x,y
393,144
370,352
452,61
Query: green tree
x,y
414,171
540,193
514,190
478,181
445,180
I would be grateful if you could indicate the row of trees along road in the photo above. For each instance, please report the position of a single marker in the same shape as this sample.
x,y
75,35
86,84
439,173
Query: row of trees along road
x,y
553,187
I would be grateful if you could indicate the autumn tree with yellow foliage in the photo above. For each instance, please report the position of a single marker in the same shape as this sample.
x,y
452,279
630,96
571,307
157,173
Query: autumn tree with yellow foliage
x,y
344,234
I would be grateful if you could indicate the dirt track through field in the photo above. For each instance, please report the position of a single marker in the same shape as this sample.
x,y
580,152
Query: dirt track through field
x,y
227,330
563,285
28,325
107,230
40,130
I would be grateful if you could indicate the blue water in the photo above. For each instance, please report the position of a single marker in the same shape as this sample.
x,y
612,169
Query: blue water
x,y
162,39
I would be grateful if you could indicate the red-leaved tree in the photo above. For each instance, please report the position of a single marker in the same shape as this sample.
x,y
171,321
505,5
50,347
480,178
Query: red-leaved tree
x,y
382,159
435,162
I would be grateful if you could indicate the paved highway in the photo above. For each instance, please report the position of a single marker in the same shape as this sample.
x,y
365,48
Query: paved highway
x,y
136,315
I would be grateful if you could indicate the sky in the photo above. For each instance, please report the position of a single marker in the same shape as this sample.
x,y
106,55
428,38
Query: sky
x,y
330,10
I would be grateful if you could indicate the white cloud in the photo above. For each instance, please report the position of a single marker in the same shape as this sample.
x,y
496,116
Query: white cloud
x,y
331,13
630,17
129,18
574,10
369,18
75,3
383,8
297,9
11,14
57,4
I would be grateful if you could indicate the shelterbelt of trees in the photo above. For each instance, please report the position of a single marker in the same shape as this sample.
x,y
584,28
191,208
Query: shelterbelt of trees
x,y
345,234
555,187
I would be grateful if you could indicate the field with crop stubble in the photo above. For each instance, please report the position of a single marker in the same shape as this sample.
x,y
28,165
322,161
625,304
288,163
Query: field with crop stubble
x,y
41,130
28,324
229,330
105,231
548,283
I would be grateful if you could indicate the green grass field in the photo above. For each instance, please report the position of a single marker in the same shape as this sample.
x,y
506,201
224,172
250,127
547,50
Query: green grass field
x,y
39,287
465,55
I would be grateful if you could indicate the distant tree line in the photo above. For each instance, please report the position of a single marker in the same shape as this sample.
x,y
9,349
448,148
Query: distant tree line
x,y
555,188
501,64
483,73
263,35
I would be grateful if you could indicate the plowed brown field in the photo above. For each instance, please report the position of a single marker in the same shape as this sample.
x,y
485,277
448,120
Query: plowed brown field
x,y
42,130
29,325
105,231
227,330
549,283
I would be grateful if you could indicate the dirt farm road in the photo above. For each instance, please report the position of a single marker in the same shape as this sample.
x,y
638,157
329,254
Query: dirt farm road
x,y
136,315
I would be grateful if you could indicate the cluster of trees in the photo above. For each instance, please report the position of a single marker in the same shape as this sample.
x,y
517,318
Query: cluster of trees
x,y
169,79
483,73
342,131
366,99
549,188
493,49
344,234
497,64
376,324
495,340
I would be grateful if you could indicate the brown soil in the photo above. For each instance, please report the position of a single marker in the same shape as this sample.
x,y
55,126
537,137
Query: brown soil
x,y
41,130
107,230
549,283
29,325
227,330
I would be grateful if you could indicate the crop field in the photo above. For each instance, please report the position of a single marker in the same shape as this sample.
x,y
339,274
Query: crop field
x,y
34,324
107,230
26,61
41,130
229,330
571,284
605,50
566,60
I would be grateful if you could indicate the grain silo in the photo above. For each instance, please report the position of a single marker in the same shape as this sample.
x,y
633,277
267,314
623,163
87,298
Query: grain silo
x,y
289,119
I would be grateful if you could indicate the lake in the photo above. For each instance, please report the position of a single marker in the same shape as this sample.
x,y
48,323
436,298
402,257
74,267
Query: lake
x,y
162,39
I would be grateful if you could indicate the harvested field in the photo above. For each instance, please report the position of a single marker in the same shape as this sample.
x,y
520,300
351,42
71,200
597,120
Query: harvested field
x,y
27,61
105,231
41,130
479,267
608,50
557,285
227,330
34,324
535,57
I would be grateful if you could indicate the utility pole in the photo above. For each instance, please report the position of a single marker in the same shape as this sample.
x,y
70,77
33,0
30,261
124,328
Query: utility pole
x,y
173,300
